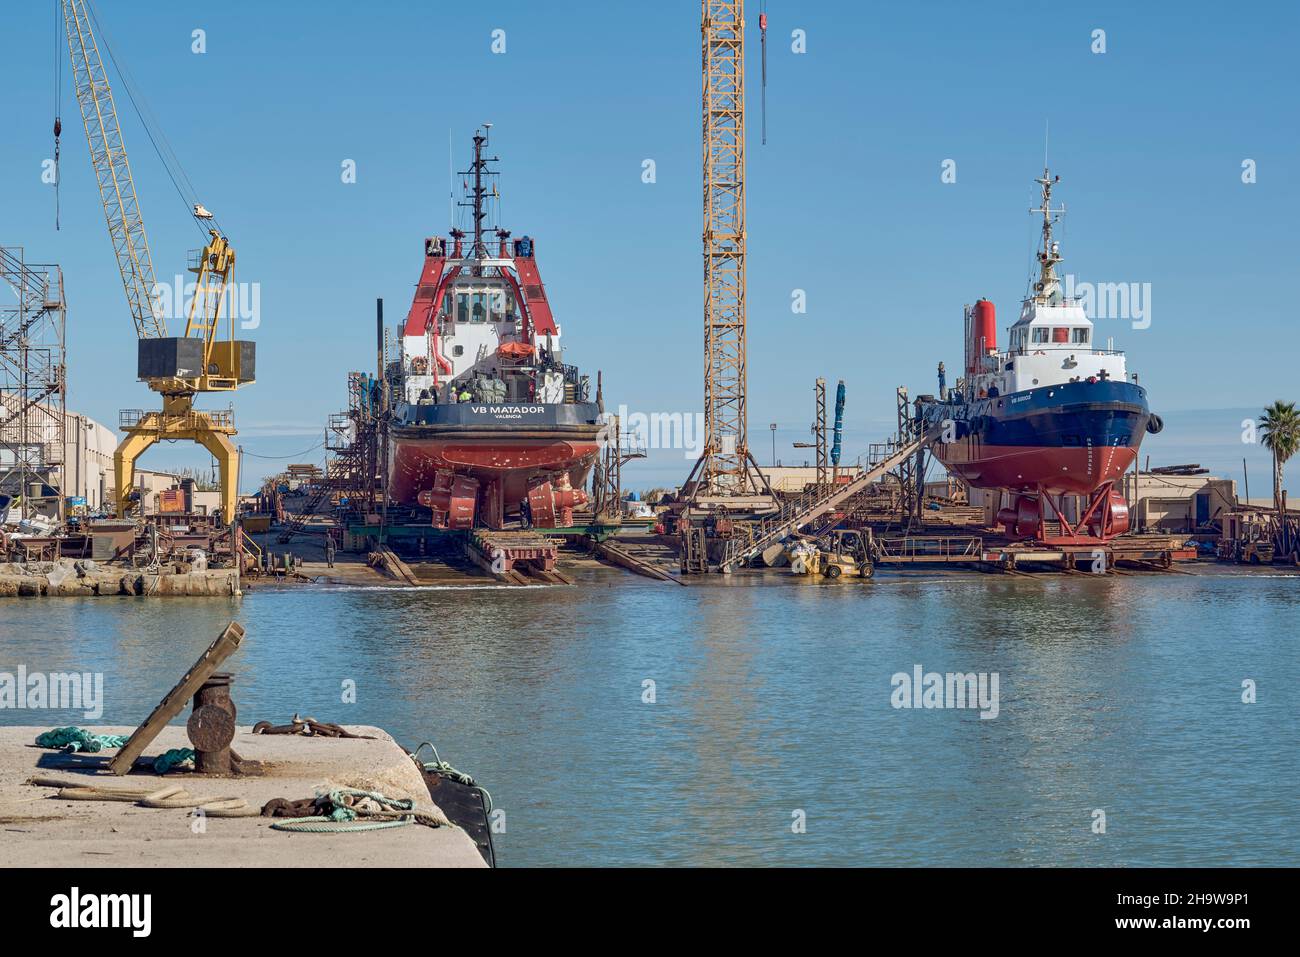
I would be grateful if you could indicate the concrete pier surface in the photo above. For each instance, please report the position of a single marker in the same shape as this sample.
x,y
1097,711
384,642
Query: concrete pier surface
x,y
37,829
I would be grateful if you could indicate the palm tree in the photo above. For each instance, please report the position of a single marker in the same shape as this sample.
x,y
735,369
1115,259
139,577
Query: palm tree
x,y
1280,432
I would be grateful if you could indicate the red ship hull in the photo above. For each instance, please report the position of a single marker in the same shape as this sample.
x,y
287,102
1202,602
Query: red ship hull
x,y
1074,471
515,460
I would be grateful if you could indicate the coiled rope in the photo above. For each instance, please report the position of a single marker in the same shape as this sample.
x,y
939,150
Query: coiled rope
x,y
72,739
344,812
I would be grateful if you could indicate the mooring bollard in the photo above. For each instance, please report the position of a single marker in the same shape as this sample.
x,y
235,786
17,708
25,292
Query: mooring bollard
x,y
212,725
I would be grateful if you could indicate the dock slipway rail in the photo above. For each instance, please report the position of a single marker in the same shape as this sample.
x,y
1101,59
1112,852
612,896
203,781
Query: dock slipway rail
x,y
808,506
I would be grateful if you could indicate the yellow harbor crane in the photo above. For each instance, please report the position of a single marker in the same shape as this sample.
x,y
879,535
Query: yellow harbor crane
x,y
177,367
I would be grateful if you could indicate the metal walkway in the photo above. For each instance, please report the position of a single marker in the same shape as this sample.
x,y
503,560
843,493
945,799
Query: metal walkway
x,y
808,506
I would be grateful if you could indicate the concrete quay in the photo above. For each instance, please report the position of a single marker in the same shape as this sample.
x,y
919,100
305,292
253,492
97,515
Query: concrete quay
x,y
38,829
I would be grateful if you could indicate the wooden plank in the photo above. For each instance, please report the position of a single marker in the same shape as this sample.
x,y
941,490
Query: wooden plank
x,y
632,563
222,648
400,567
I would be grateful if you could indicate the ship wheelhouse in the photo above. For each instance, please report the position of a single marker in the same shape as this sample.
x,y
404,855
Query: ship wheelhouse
x,y
480,330
1052,344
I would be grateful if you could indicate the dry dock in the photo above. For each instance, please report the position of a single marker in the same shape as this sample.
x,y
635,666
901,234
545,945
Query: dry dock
x,y
37,829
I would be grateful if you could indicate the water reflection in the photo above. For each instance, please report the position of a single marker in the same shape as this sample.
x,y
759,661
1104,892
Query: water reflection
x,y
1116,693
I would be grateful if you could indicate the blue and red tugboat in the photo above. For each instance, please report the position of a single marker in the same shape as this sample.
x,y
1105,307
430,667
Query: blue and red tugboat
x,y
491,429
1052,415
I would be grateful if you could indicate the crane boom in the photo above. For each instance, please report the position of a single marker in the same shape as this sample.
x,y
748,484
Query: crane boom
x,y
177,367
112,171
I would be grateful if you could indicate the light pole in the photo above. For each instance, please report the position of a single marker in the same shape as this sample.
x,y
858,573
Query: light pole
x,y
773,428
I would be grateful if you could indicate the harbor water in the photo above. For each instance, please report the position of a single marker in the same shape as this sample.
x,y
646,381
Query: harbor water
x,y
753,722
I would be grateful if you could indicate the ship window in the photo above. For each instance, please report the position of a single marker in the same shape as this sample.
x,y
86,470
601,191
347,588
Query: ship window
x,y
1060,334
457,351
1080,335
462,307
1041,333
478,309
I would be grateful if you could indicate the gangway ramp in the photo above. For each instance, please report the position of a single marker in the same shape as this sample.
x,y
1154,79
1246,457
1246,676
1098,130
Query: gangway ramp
x,y
820,500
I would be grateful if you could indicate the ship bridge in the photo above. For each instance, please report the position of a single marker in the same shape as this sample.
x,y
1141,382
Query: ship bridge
x,y
1052,344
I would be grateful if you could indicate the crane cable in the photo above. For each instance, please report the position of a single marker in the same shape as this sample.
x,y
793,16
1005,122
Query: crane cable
x,y
58,102
292,455
762,37
161,146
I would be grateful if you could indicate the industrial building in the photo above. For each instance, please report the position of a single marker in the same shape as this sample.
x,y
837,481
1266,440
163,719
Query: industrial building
x,y
72,462
47,455
795,478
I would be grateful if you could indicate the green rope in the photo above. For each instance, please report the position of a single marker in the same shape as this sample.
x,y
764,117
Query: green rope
x,y
172,759
72,739
442,767
337,817
342,812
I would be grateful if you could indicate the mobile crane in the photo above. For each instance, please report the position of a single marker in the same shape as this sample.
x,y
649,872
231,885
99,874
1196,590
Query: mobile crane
x,y
176,367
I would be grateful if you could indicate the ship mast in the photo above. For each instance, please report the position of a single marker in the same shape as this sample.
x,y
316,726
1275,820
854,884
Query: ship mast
x,y
1048,287
478,199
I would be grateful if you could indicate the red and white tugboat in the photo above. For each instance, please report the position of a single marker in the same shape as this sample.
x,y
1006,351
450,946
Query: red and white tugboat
x,y
1052,415
491,429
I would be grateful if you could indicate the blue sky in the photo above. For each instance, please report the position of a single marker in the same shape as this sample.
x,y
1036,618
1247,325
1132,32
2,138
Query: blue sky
x,y
845,201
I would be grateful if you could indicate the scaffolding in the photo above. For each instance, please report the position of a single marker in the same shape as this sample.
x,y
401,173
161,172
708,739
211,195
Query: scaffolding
x,y
617,449
819,434
33,386
911,471
353,464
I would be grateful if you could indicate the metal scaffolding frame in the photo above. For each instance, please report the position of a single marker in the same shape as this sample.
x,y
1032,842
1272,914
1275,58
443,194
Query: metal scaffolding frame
x,y
33,380
726,467
618,448
911,471
819,434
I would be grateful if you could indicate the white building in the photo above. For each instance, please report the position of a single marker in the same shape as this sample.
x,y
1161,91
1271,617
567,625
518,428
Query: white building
x,y
88,464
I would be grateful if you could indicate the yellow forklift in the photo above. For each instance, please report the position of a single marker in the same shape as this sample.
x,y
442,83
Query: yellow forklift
x,y
838,553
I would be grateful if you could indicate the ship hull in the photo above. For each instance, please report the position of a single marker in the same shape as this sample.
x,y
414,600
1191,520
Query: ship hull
x,y
1071,438
513,446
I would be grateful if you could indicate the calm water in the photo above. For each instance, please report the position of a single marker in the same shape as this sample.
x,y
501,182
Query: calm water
x,y
1121,693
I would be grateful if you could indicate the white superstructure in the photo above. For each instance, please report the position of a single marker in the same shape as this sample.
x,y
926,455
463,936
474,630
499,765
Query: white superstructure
x,y
1053,342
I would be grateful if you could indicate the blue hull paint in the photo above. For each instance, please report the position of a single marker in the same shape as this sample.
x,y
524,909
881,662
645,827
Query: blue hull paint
x,y
1073,415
